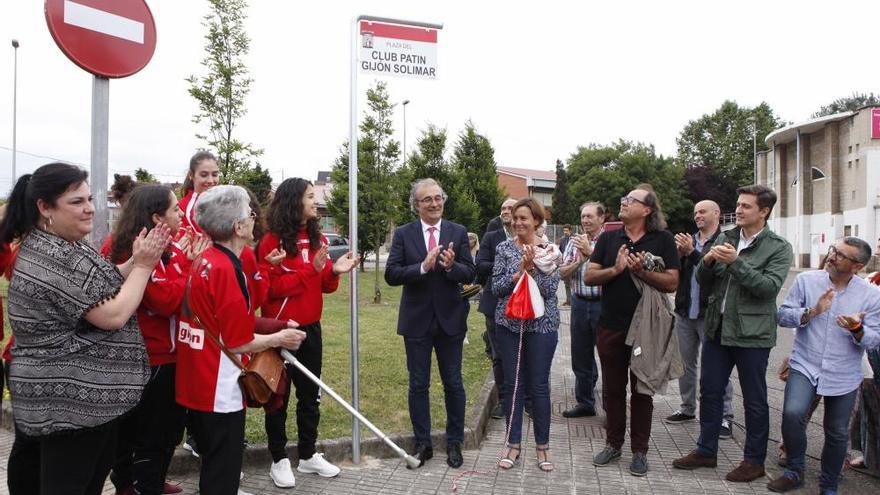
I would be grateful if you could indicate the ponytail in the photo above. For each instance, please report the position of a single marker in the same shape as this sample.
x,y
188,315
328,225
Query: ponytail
x,y
21,214
47,183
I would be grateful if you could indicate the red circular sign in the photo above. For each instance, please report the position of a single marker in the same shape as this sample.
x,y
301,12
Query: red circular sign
x,y
110,38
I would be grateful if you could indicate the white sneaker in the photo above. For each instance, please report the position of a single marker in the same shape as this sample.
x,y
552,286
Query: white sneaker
x,y
282,474
189,448
318,465
242,492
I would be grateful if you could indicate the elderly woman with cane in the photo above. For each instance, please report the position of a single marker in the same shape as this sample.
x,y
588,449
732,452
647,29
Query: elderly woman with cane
x,y
527,346
217,324
78,361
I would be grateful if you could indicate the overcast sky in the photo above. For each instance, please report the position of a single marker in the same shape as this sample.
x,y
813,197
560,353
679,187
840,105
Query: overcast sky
x,y
539,79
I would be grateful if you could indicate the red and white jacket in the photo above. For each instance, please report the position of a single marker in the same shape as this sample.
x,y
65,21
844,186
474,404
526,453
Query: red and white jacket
x,y
206,379
188,206
296,289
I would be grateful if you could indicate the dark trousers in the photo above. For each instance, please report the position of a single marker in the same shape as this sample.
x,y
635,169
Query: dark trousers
x,y
418,364
537,357
614,355
148,436
751,364
220,437
77,463
308,400
799,396
495,356
23,467
584,328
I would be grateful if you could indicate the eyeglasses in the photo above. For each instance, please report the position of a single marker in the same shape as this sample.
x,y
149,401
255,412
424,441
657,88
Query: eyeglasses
x,y
252,215
832,251
432,199
628,200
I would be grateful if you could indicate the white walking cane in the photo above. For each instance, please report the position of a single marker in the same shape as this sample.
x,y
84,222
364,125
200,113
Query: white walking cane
x,y
411,461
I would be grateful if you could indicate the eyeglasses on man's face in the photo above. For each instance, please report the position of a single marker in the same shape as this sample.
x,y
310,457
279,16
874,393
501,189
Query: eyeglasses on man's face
x,y
432,199
628,200
833,252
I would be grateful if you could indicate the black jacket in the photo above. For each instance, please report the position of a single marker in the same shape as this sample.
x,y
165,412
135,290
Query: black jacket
x,y
484,263
688,265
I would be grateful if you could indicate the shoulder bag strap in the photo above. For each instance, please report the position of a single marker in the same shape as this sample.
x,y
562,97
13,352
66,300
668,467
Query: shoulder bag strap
x,y
186,310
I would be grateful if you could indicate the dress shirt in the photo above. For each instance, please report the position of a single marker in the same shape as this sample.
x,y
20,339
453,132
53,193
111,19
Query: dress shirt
x,y
578,287
427,236
694,310
829,356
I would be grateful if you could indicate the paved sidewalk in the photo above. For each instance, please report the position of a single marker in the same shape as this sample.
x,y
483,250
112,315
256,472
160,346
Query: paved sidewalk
x,y
573,442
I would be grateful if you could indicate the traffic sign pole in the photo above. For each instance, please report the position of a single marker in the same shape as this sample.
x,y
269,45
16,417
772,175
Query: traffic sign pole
x,y
353,240
99,157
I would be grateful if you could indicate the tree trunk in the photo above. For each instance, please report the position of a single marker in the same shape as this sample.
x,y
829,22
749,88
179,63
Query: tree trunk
x,y
377,292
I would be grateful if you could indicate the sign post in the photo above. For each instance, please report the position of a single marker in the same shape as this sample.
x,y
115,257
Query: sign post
x,y
110,39
379,46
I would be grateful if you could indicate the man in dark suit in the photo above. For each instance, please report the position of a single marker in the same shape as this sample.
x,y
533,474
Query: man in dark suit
x,y
430,257
504,220
485,261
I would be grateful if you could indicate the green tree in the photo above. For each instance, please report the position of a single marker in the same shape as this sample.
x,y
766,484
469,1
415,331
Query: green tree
x,y
723,141
428,159
377,180
143,175
607,173
258,180
564,207
854,102
474,166
221,91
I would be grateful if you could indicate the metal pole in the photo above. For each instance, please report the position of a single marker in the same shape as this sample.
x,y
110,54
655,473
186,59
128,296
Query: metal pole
x,y
14,108
100,144
353,238
798,202
405,103
755,151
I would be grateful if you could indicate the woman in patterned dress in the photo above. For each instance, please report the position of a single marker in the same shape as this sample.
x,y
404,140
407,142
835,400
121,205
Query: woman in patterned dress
x,y
78,361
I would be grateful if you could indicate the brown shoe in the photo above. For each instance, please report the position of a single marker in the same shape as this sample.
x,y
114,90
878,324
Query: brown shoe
x,y
695,460
788,481
745,472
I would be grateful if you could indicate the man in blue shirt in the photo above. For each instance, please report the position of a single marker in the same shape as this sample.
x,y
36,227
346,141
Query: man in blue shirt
x,y
836,315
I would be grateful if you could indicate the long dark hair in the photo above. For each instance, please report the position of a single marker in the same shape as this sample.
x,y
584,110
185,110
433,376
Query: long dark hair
x,y
286,215
137,214
47,183
194,162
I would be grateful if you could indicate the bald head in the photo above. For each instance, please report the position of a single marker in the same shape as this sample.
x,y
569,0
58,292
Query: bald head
x,y
707,215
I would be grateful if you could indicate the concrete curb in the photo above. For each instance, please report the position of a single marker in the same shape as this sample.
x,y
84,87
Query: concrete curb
x,y
339,449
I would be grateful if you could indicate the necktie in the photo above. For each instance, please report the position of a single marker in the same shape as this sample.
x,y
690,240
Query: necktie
x,y
432,241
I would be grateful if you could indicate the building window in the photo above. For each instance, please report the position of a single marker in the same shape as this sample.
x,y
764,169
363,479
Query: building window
x,y
817,174
856,230
853,195
857,148
857,163
850,149
847,230
849,164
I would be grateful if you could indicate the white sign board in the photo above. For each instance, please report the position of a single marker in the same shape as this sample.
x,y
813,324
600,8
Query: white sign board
x,y
397,50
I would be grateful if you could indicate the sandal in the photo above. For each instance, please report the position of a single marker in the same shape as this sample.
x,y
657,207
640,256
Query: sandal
x,y
544,465
508,462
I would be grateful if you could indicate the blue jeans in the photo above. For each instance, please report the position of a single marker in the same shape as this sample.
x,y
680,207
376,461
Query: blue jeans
x,y
715,367
584,325
418,363
534,372
691,333
799,394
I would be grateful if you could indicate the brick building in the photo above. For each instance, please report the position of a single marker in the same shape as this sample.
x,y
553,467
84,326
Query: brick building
x,y
525,182
827,173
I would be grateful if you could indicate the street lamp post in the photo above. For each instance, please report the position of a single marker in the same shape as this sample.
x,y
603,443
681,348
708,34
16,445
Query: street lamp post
x,y
14,105
752,120
405,103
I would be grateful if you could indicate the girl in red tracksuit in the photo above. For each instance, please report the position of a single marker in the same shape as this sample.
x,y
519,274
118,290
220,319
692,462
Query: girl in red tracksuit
x,y
203,174
296,290
156,427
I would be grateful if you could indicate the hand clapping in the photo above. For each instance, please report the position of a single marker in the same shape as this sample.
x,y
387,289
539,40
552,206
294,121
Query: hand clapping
x,y
725,253
685,244
447,257
148,247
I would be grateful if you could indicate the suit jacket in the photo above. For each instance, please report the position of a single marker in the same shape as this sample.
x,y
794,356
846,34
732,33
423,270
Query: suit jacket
x,y
495,224
485,261
436,295
688,265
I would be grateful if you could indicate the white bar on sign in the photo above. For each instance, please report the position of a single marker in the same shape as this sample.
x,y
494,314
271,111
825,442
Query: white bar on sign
x,y
103,22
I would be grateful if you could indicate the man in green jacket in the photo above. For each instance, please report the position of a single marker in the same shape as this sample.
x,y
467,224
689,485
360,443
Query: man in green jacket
x,y
745,269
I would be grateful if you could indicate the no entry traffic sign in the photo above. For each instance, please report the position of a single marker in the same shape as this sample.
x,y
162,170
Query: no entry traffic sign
x,y
109,38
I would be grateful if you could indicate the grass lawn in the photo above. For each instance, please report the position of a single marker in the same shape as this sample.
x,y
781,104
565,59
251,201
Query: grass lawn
x,y
383,376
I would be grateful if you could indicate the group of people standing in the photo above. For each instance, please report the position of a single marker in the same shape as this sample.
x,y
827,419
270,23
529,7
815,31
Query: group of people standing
x,y
115,352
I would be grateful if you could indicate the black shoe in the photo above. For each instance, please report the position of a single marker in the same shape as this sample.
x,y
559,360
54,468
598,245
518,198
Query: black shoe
x,y
579,411
422,453
528,410
678,418
497,412
453,455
